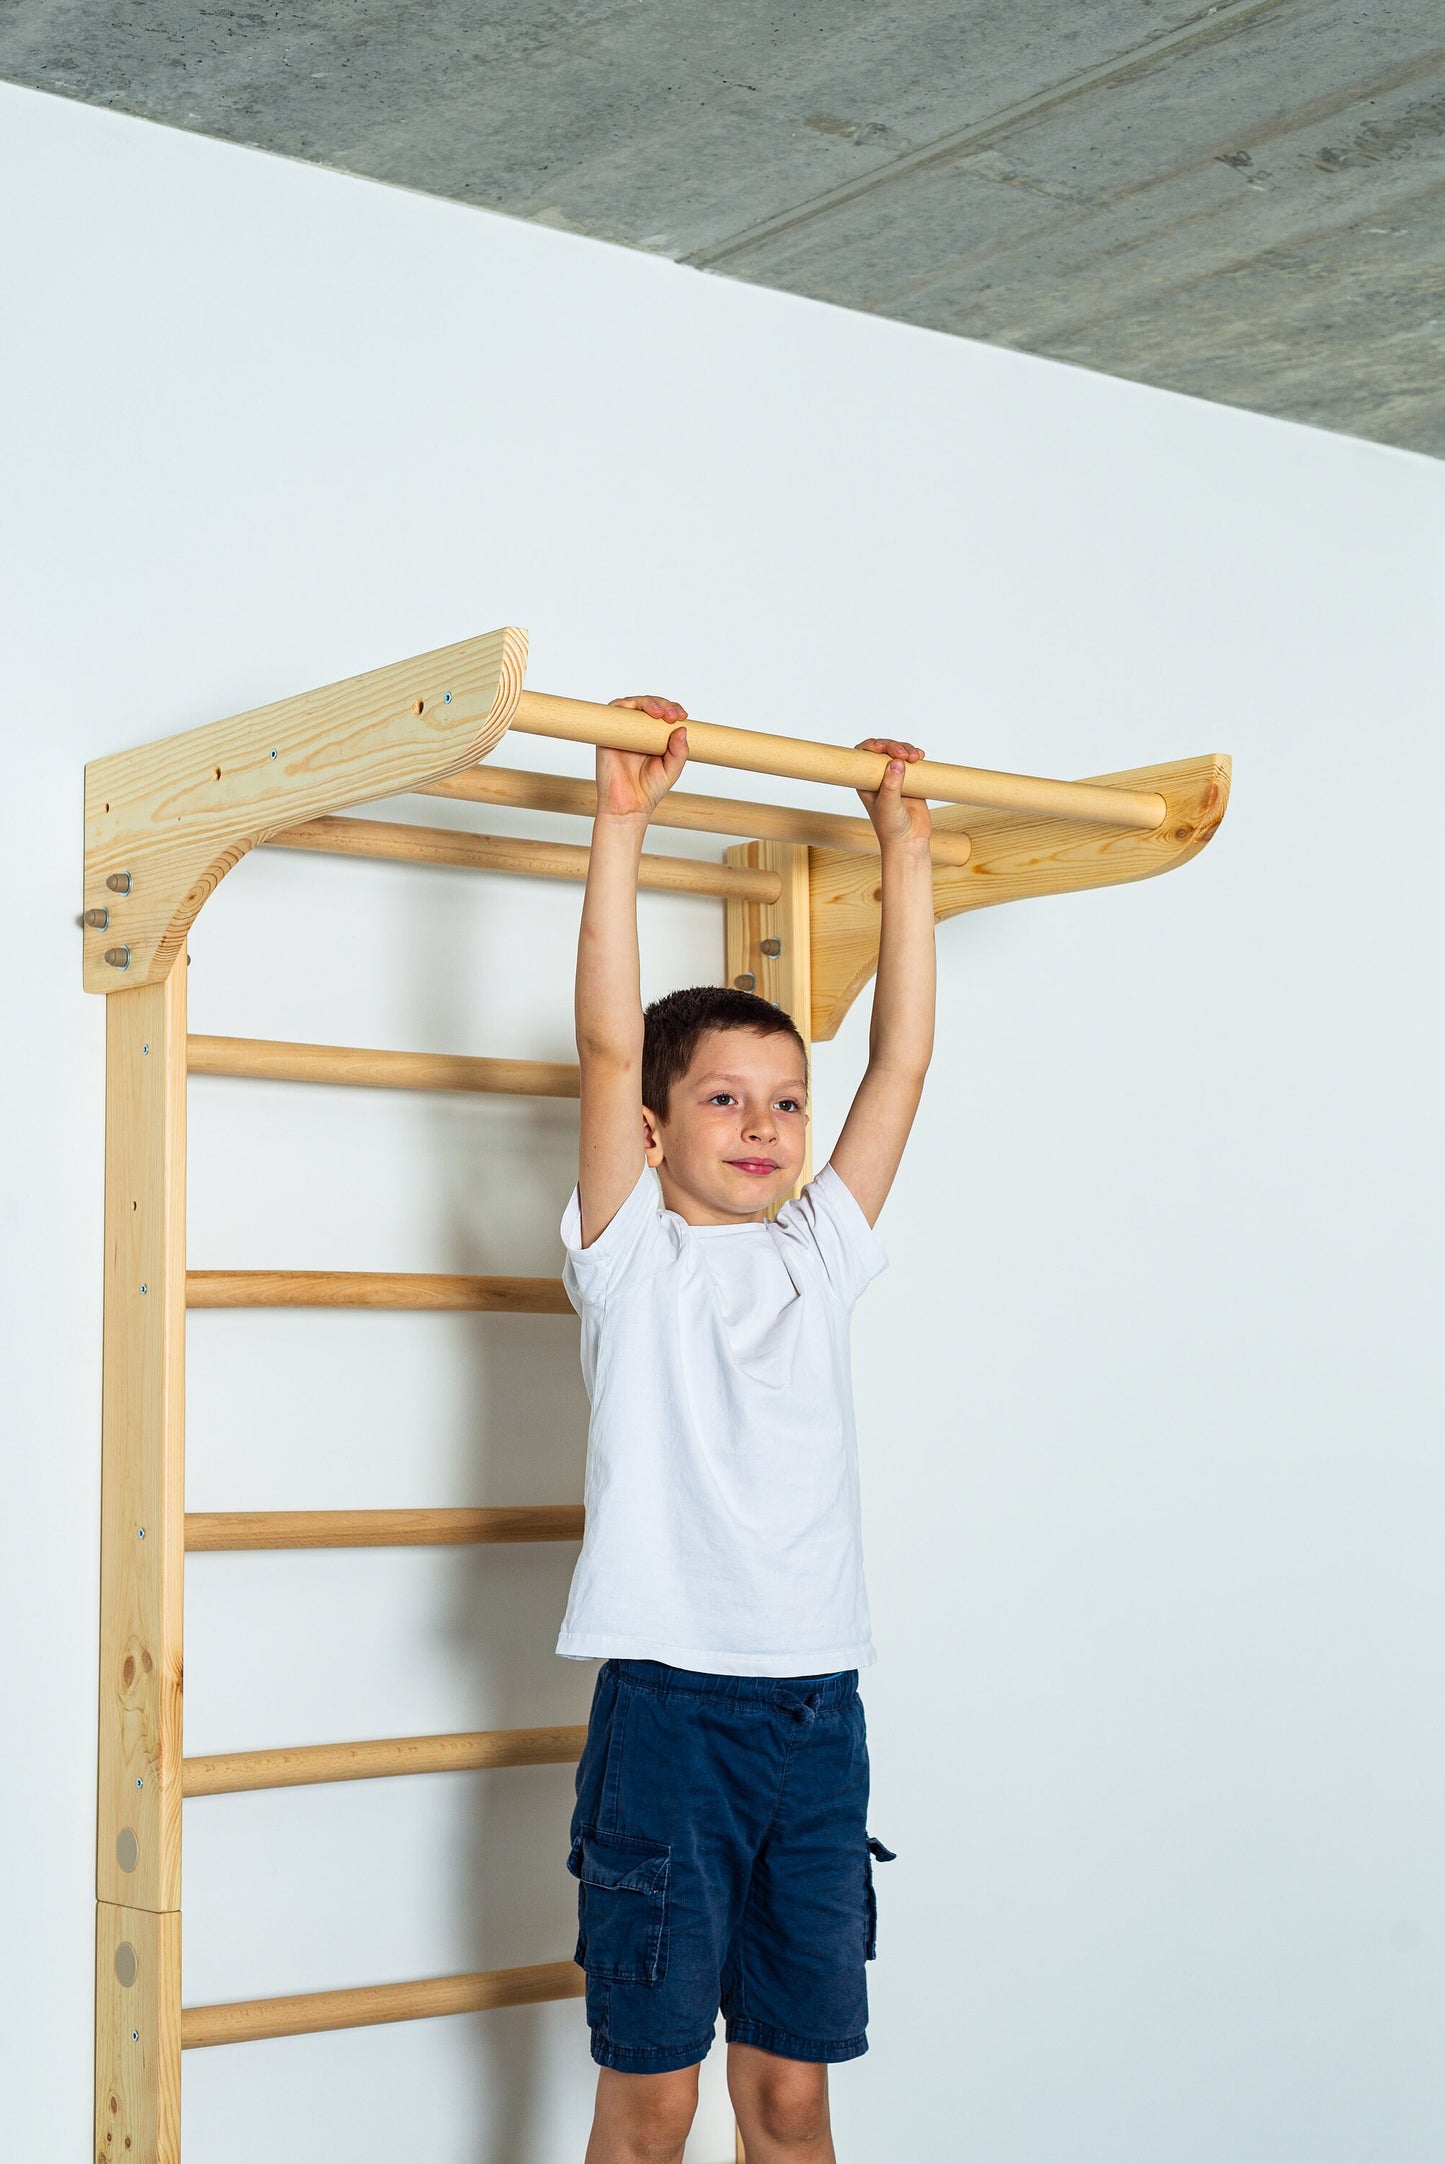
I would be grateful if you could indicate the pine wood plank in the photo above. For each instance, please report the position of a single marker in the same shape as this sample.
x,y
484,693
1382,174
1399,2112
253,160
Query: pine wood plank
x,y
175,815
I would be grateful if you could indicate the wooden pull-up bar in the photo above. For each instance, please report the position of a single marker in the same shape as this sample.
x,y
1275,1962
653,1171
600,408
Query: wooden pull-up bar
x,y
579,721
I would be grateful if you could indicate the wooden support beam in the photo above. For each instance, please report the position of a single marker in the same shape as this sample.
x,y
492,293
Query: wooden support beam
x,y
579,721
244,2020
267,1059
137,2035
138,1804
208,1531
165,822
380,1758
511,853
377,1289
1013,859
768,945
530,791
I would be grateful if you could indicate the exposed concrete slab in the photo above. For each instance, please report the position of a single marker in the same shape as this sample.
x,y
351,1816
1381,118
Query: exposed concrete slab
x,y
1244,201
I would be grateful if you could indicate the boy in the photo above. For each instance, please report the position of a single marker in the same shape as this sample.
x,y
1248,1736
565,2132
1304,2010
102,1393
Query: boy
x,y
720,1834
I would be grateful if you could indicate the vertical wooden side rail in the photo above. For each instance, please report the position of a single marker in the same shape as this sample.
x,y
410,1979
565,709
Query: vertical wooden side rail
x,y
769,944
138,1860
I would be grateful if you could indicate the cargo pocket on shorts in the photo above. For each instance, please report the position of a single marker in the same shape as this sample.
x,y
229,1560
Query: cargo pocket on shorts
x,y
622,1906
877,1853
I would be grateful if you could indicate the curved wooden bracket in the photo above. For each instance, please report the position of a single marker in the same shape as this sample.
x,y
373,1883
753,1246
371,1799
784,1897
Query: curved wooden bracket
x,y
1013,857
172,817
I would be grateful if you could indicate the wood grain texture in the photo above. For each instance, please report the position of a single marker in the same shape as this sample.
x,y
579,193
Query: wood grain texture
x,y
215,1530
785,978
386,839
377,1289
381,1758
137,2036
1013,859
243,2020
138,1817
579,721
177,814
268,1059
531,791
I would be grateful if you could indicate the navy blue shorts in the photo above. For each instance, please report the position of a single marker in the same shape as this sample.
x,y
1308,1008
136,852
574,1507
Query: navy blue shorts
x,y
720,1840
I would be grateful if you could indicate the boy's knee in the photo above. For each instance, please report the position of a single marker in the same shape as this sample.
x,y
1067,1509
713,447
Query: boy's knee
x,y
646,2117
790,2103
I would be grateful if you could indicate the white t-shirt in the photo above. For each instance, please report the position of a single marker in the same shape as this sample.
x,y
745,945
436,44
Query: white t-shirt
x,y
723,1529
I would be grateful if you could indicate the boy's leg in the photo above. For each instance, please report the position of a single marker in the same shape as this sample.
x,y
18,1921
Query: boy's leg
x,y
642,2118
781,2107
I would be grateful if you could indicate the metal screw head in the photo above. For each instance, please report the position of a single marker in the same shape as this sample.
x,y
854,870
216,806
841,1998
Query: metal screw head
x,y
770,946
118,957
745,982
140,1532
139,1781
145,1048
447,699
97,919
145,1288
119,882
135,2036
273,755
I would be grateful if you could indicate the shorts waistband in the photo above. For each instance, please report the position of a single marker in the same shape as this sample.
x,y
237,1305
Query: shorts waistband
x,y
808,1694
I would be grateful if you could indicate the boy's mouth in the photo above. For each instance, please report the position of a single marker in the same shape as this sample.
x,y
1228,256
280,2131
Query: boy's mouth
x,y
755,1165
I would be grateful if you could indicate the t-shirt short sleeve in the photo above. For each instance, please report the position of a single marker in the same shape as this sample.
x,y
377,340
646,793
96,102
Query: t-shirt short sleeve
x,y
828,1217
590,1273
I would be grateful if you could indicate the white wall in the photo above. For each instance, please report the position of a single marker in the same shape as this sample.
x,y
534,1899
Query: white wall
x,y
1149,1399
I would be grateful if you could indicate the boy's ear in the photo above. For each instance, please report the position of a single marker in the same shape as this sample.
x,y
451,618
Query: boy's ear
x,y
651,1144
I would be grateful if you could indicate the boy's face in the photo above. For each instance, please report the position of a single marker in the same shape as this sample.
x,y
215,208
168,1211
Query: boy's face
x,y
736,1128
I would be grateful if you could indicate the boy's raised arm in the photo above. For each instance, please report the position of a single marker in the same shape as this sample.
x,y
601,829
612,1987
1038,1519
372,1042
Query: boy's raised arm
x,y
900,1036
609,995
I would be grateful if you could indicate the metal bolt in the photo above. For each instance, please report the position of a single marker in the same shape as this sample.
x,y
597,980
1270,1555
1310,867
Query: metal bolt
x,y
145,1288
770,946
118,957
273,755
135,2036
119,882
145,1048
746,981
447,700
97,919
139,1782
140,1532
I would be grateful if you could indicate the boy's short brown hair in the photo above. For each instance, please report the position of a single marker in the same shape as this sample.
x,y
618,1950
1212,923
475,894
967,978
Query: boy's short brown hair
x,y
673,1025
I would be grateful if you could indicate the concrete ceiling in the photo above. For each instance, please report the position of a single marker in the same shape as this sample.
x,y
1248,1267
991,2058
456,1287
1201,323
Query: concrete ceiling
x,y
1241,201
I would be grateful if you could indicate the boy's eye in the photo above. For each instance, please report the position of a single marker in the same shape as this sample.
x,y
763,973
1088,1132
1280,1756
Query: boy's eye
x,y
721,1097
789,1104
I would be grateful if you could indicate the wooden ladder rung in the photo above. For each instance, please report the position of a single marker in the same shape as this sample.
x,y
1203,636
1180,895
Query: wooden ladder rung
x,y
269,1059
208,1531
245,2020
531,791
512,853
377,1289
228,1773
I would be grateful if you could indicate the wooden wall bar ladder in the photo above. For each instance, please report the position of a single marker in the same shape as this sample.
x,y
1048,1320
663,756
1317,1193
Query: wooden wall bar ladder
x,y
164,823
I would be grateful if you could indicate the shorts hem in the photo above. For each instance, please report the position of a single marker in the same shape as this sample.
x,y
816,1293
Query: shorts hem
x,y
818,2051
648,2058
